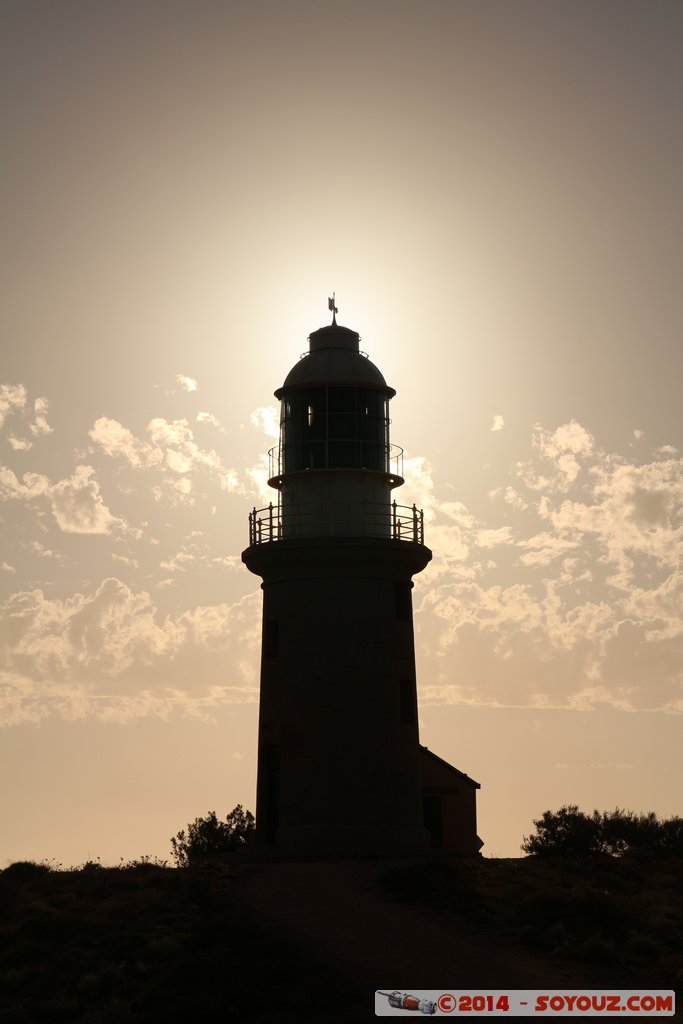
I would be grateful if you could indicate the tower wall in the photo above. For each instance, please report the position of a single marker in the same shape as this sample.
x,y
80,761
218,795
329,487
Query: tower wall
x,y
338,733
336,503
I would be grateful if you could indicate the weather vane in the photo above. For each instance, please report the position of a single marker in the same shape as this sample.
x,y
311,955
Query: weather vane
x,y
333,309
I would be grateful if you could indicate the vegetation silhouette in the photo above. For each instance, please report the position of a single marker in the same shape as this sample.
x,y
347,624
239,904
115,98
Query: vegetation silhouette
x,y
570,832
623,914
208,838
145,943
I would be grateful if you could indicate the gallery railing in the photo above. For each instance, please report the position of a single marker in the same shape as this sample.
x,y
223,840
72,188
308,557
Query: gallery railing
x,y
361,519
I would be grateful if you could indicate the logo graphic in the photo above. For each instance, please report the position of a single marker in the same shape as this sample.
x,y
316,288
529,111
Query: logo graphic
x,y
406,1002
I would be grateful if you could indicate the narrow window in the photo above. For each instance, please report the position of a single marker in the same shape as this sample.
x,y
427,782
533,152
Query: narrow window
x,y
269,792
404,604
408,700
271,638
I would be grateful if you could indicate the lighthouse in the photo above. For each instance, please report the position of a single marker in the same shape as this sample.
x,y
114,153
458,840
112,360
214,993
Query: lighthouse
x,y
340,767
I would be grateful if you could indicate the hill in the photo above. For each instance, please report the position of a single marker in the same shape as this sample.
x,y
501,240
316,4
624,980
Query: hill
x,y
267,942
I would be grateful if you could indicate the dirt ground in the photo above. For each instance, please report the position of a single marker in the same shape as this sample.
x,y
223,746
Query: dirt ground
x,y
337,914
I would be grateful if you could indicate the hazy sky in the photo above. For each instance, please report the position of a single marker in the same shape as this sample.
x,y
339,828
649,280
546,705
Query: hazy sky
x,y
493,189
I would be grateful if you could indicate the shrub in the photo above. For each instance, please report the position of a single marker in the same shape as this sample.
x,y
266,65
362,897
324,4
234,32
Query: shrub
x,y
571,832
565,832
23,870
207,838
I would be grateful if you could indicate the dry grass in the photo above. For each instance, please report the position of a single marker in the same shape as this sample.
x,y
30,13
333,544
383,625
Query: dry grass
x,y
626,914
142,944
147,943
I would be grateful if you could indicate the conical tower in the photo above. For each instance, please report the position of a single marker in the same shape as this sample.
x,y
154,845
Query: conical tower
x,y
338,755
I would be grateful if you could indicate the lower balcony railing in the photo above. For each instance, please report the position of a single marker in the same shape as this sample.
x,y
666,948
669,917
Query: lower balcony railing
x,y
360,519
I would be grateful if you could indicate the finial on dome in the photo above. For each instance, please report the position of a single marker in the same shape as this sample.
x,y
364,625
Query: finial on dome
x,y
333,309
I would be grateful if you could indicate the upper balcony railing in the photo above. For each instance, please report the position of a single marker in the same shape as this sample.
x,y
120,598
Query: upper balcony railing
x,y
335,453
354,519
360,352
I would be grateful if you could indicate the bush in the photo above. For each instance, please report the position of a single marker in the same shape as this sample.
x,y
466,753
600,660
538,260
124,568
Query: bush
x,y
25,870
208,837
565,832
570,832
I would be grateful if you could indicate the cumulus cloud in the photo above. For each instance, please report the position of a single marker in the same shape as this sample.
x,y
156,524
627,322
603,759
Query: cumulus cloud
x,y
563,452
267,417
125,560
186,383
208,417
20,444
228,561
592,610
180,561
6,567
491,538
12,397
110,654
498,423
171,447
116,440
77,504
544,548
450,528
40,425
564,590
31,485
44,552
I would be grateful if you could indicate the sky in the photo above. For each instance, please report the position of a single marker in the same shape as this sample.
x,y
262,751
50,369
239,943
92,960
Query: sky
x,y
492,188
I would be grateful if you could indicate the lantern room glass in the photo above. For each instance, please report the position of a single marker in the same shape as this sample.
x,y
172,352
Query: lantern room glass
x,y
334,428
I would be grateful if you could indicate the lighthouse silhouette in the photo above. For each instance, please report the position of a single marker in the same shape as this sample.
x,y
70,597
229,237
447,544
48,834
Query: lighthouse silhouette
x,y
340,768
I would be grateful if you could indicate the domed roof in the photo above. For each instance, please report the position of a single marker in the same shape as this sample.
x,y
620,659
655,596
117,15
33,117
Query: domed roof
x,y
334,358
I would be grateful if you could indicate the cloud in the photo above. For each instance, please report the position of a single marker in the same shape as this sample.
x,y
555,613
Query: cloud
x,y
32,485
584,605
267,417
44,552
12,397
77,504
491,538
186,383
40,425
498,423
125,560
179,562
171,447
208,417
229,561
76,501
562,451
564,590
544,548
20,444
6,567
117,441
110,655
